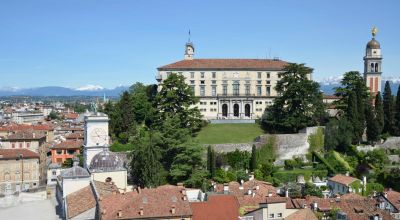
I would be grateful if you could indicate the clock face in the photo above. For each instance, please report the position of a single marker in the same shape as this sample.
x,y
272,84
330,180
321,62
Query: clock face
x,y
98,136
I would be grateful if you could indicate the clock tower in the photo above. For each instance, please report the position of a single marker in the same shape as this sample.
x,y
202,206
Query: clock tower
x,y
373,64
96,135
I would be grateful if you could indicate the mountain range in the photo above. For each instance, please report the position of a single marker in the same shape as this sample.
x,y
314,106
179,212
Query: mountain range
x,y
327,86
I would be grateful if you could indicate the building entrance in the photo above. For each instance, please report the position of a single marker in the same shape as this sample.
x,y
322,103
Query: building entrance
x,y
236,110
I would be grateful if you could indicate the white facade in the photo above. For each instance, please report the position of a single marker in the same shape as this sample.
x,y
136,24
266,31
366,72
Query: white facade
x,y
27,117
373,65
96,136
228,88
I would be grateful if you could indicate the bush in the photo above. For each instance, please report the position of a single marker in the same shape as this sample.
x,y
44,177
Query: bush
x,y
290,164
266,153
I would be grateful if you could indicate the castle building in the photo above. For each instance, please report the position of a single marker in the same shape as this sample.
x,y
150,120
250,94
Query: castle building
x,y
373,64
228,88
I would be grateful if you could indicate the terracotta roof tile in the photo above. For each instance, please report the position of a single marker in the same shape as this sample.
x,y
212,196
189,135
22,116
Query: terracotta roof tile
x,y
218,207
256,64
343,179
394,198
69,144
302,214
26,135
163,201
7,154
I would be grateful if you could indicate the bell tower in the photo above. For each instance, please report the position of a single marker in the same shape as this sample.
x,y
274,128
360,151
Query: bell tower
x,y
189,51
373,64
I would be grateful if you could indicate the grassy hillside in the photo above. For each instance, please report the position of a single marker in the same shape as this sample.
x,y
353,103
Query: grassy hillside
x,y
229,133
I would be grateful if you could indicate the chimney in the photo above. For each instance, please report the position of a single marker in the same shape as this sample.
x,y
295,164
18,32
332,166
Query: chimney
x,y
315,206
226,188
139,190
385,194
173,210
180,184
257,187
347,173
103,212
287,193
33,135
119,214
141,211
253,194
183,191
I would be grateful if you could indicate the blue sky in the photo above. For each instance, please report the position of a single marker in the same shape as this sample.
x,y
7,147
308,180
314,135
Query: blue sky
x,y
112,42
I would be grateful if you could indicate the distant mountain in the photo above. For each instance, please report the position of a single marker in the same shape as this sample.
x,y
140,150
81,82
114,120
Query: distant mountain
x,y
89,90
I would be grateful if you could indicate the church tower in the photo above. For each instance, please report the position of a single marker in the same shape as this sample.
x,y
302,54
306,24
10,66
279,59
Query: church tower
x,y
373,64
96,135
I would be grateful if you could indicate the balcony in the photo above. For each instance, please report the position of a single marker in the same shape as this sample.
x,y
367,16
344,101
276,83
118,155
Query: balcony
x,y
236,95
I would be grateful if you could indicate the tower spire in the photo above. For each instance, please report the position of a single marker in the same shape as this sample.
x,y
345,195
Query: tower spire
x,y
189,37
374,31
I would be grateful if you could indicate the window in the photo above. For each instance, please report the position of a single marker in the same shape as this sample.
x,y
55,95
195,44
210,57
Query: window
x,y
259,82
258,90
20,145
268,90
279,214
259,75
271,216
268,75
279,75
268,82
224,81
214,82
225,90
202,74
28,145
202,91
54,172
192,75
214,75
13,145
247,89
59,152
202,82
214,90
191,81
192,87
236,89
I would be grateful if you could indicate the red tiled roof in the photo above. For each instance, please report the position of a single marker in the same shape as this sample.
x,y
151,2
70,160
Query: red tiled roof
x,y
260,194
68,144
7,154
218,207
83,199
257,64
394,198
71,116
155,203
343,179
331,97
17,127
29,134
302,214
75,136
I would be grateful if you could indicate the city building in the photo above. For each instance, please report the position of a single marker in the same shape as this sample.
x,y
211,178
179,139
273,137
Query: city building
x,y
19,170
390,201
217,207
342,184
27,117
65,150
373,64
228,88
53,170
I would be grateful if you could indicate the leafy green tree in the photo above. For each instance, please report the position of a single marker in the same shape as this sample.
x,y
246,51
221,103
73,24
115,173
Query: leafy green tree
x,y
141,103
198,179
177,98
312,190
67,163
379,112
146,169
374,187
337,135
253,159
53,115
377,158
388,107
238,159
211,161
352,81
299,104
372,124
186,162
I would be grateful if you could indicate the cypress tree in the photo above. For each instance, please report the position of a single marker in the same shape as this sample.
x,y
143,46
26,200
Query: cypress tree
x,y
352,116
379,112
361,100
372,124
388,110
253,160
397,112
211,161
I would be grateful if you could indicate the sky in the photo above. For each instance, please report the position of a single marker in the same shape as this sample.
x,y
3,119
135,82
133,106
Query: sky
x,y
74,43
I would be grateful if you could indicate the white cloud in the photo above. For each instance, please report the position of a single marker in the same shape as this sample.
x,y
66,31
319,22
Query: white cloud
x,y
331,80
90,88
10,89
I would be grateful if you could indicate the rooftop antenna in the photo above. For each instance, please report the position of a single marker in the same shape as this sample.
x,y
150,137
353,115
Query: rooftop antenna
x,y
189,37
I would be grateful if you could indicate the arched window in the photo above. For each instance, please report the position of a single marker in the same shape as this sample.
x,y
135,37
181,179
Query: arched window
x,y
372,67
376,67
225,110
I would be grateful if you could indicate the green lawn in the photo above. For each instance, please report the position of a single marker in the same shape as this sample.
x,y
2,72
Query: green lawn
x,y
229,133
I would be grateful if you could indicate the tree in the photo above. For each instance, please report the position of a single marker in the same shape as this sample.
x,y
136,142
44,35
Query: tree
x,y
141,103
337,135
379,112
53,115
253,159
299,105
352,116
176,98
388,107
372,124
312,190
211,161
147,171
352,81
397,112
186,162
